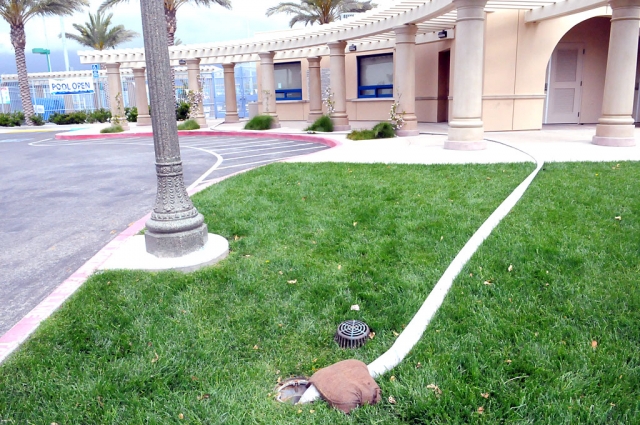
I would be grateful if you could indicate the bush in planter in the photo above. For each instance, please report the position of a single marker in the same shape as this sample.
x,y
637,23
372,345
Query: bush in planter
x,y
182,111
78,117
189,125
322,124
99,115
131,114
37,120
383,130
113,129
259,122
14,119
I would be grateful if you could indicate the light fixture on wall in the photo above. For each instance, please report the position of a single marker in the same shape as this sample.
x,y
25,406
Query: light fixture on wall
x,y
353,48
182,62
442,34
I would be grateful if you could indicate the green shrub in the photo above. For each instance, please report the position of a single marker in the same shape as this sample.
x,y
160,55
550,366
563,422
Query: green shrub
x,y
182,111
99,115
131,114
77,117
13,119
322,124
37,120
384,130
259,122
361,135
112,129
189,125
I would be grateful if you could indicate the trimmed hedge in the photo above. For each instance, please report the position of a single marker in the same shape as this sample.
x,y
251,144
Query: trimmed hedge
x,y
322,124
259,122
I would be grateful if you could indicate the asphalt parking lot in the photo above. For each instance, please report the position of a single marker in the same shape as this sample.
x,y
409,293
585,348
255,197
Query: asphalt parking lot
x,y
64,200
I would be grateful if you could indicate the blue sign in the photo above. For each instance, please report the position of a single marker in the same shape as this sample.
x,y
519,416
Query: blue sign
x,y
95,68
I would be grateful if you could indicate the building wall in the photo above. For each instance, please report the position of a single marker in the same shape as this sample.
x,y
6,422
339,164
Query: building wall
x,y
516,58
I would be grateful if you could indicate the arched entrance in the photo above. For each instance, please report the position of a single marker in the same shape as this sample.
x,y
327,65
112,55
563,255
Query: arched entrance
x,y
576,73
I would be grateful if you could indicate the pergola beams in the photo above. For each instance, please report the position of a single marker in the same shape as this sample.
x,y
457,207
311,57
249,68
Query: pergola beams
x,y
561,8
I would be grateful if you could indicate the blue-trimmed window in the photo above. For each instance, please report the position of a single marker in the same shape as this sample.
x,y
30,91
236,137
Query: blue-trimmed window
x,y
375,76
288,78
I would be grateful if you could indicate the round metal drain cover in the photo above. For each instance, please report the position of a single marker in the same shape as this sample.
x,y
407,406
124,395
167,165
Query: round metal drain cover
x,y
291,390
352,334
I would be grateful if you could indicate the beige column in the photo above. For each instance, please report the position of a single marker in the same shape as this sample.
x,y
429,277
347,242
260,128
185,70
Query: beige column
x,y
193,77
315,89
338,85
616,126
404,78
466,130
142,103
230,100
116,102
268,93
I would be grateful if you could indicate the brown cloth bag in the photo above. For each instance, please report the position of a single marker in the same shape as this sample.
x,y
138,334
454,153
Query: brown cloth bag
x,y
346,385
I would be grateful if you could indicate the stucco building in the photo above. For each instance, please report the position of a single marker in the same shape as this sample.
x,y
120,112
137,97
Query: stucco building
x,y
477,65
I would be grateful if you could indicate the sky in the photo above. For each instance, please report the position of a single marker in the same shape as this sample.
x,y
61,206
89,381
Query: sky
x,y
195,25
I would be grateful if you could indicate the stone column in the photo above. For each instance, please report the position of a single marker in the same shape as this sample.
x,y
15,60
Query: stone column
x,y
231,101
193,76
315,89
466,130
404,83
116,102
338,85
616,126
142,102
268,94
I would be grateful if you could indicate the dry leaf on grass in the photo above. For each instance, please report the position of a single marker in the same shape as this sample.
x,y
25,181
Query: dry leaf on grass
x,y
594,344
292,281
435,389
355,307
487,282
181,416
372,335
392,400
156,358
485,395
480,410
393,378
619,218
395,333
510,267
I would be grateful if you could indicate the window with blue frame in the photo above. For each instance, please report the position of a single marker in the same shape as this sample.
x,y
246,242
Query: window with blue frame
x,y
288,78
375,76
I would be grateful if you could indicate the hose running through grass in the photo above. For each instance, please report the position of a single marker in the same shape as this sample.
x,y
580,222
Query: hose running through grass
x,y
418,324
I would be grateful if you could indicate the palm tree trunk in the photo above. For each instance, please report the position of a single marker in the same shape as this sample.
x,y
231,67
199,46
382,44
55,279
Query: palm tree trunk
x,y
18,39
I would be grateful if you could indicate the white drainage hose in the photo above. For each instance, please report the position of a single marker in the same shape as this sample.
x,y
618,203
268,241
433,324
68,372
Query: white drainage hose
x,y
414,330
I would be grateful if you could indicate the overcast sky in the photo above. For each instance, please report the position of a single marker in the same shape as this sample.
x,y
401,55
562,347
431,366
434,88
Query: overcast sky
x,y
195,25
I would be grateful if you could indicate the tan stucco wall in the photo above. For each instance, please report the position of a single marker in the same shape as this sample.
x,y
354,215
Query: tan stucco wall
x,y
516,58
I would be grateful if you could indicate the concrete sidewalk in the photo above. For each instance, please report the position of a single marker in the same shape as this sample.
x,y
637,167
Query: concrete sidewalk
x,y
554,143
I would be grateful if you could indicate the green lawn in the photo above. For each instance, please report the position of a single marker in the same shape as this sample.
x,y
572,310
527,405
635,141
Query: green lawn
x,y
510,344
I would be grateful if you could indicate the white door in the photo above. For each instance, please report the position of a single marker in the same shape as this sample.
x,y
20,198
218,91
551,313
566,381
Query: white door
x,y
565,84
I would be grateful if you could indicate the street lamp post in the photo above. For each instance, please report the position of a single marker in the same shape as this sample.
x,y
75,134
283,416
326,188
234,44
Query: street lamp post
x,y
175,228
42,51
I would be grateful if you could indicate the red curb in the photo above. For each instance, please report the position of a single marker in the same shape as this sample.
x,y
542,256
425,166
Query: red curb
x,y
243,133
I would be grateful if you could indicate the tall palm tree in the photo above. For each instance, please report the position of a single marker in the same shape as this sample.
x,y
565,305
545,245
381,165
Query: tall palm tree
x,y
170,9
17,13
319,11
99,34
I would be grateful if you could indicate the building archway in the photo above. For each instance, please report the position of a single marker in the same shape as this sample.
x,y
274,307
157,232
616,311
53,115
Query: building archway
x,y
574,83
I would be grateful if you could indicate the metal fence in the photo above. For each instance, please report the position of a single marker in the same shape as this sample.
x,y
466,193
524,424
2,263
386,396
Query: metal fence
x,y
213,88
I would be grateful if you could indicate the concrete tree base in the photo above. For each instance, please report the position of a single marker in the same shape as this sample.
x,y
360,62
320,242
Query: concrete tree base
x,y
133,255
